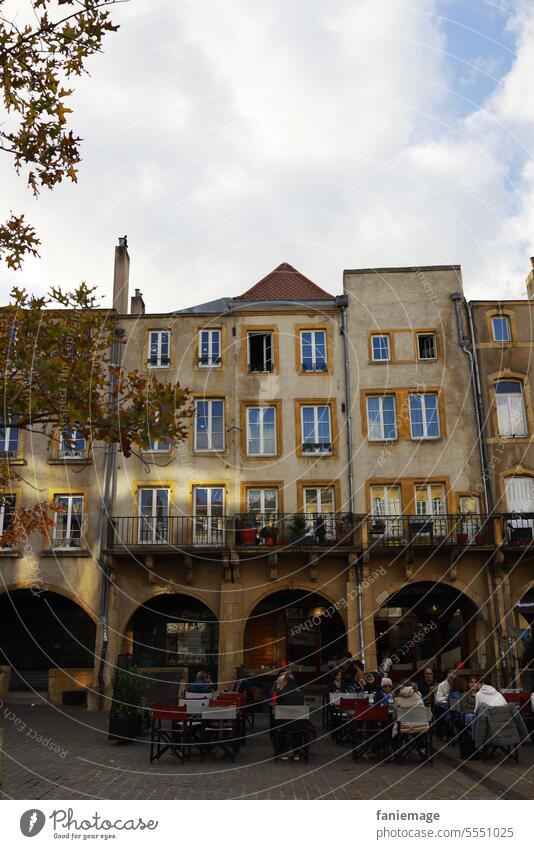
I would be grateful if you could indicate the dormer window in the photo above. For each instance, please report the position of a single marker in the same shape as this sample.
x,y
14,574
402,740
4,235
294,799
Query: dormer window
x,y
260,351
159,347
210,348
501,328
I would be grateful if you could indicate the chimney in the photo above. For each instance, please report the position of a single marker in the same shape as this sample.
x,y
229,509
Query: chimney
x,y
137,305
530,281
121,276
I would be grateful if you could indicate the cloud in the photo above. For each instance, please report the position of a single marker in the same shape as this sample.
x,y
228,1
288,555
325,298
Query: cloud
x,y
226,137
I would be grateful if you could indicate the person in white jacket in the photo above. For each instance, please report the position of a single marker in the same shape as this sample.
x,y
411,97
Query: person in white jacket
x,y
488,697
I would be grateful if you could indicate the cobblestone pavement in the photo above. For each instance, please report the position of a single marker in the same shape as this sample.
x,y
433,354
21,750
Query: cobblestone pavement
x,y
64,753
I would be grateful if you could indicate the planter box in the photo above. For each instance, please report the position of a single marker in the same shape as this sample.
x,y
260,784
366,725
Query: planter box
x,y
125,729
247,536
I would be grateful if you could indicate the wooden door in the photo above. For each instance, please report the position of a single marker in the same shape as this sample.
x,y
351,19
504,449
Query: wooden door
x,y
261,645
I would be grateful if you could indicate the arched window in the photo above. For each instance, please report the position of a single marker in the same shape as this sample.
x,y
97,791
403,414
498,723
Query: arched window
x,y
510,408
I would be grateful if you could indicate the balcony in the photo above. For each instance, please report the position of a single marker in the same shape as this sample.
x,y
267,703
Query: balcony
x,y
298,530
517,529
467,529
174,532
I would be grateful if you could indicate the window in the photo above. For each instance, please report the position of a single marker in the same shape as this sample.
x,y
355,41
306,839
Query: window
x,y
381,418
510,404
7,508
386,500
386,509
430,499
209,425
261,431
313,355
426,346
9,441
501,328
208,522
317,502
72,442
68,526
260,351
210,349
316,430
469,504
424,417
154,515
263,503
159,342
159,446
380,348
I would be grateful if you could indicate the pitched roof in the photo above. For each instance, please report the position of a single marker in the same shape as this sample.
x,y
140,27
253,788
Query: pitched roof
x,y
285,283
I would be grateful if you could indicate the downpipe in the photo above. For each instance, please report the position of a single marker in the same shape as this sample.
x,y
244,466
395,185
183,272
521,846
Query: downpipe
x,y
342,302
469,349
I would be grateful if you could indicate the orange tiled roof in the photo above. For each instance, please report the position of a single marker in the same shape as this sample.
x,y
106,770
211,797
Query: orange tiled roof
x,y
285,283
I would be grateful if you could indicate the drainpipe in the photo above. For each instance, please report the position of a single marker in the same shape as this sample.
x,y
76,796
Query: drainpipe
x,y
342,302
105,511
469,349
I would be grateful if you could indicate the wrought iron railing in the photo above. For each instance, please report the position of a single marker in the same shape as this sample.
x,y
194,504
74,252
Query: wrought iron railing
x,y
469,529
297,529
164,530
517,528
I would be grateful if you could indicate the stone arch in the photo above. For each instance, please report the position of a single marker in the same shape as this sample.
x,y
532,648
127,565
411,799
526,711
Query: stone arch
x,y
53,588
460,585
163,591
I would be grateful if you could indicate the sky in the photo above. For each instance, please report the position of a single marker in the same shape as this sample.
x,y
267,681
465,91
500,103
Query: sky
x,y
227,137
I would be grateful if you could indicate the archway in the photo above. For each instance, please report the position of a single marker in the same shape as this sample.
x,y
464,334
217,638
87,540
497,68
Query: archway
x,y
41,631
174,630
427,624
300,627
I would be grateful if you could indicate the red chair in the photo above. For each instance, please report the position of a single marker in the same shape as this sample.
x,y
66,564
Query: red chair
x,y
371,729
234,700
170,731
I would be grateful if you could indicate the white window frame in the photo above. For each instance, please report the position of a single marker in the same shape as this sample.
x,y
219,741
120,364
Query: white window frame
x,y
213,530
388,340
158,534
504,407
65,451
265,334
210,402
419,487
316,408
211,331
158,446
319,490
427,333
380,399
66,542
159,334
262,452
506,319
385,500
263,511
6,451
313,334
425,435
6,508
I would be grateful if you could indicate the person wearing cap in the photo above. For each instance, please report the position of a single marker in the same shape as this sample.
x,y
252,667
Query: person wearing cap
x,y
385,694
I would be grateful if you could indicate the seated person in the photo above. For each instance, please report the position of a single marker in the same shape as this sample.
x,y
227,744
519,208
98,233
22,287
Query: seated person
x,y
201,684
372,682
241,684
442,693
428,686
408,697
384,696
336,684
487,697
288,692
468,702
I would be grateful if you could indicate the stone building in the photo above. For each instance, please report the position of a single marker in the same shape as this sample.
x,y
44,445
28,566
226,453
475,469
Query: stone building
x,y
330,496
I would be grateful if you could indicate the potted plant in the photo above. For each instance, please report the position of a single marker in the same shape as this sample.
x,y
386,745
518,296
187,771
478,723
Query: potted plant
x,y
247,532
300,530
462,538
269,534
126,718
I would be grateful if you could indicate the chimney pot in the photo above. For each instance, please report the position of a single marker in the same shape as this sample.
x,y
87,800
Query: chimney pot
x,y
121,276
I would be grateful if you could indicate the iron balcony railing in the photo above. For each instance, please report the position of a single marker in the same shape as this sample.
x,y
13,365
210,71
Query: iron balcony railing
x,y
466,529
165,530
297,529
517,528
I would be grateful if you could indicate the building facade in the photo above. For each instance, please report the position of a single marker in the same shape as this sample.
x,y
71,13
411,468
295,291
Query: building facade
x,y
332,494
